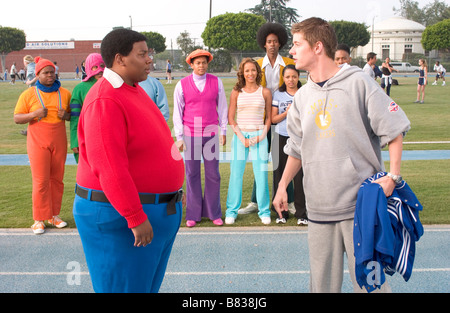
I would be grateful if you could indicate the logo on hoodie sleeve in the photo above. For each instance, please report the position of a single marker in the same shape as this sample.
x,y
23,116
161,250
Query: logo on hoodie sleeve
x,y
393,107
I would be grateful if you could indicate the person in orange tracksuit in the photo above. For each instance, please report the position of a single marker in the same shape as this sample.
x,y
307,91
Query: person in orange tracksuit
x,y
46,108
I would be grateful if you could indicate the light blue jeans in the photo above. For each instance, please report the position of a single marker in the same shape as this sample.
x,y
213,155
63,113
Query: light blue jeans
x,y
259,157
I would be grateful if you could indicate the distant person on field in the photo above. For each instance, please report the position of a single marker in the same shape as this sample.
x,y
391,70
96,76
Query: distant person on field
x,y
440,73
386,79
370,66
13,73
83,69
56,70
423,79
169,72
31,78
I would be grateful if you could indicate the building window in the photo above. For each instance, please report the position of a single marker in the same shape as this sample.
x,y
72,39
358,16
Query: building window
x,y
408,49
385,51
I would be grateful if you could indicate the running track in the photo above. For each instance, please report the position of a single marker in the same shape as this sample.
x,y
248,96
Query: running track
x,y
207,260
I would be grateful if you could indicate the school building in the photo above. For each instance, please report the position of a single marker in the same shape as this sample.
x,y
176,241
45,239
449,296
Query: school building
x,y
393,38
67,54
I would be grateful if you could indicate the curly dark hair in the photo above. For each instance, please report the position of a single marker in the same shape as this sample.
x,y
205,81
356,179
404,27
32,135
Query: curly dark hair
x,y
119,41
240,74
271,28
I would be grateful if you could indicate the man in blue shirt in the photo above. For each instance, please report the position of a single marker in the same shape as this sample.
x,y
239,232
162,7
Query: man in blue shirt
x,y
156,92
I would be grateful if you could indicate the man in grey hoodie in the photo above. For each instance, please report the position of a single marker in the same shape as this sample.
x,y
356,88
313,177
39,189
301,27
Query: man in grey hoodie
x,y
337,125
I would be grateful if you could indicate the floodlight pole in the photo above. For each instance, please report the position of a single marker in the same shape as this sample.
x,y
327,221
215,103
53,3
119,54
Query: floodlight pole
x,y
210,8
373,21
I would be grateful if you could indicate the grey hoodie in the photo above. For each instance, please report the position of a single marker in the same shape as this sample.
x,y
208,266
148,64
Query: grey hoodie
x,y
338,131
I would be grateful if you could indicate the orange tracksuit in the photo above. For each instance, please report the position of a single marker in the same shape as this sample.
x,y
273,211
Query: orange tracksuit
x,y
47,149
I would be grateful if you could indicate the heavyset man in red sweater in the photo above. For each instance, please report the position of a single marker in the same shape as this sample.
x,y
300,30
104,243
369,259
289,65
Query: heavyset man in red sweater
x,y
128,200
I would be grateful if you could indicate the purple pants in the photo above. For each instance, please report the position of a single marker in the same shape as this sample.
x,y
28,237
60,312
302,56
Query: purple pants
x,y
197,205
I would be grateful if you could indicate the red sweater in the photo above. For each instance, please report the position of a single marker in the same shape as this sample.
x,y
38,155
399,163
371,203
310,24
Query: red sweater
x,y
126,148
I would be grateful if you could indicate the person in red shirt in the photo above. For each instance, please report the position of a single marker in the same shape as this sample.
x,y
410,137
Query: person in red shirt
x,y
128,196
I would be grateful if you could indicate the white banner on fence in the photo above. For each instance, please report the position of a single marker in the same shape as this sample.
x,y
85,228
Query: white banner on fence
x,y
50,45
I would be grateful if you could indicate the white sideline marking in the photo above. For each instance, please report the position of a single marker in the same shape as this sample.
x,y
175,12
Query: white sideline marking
x,y
186,232
423,270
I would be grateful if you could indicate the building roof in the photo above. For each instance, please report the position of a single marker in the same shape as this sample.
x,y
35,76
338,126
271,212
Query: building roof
x,y
398,24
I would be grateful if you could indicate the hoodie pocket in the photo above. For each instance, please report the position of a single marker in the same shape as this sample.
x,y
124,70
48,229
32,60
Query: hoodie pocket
x,y
331,184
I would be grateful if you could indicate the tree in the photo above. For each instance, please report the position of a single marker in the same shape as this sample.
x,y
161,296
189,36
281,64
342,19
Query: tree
x,y
351,33
187,45
235,32
277,11
11,39
222,61
411,11
155,41
437,36
431,14
436,12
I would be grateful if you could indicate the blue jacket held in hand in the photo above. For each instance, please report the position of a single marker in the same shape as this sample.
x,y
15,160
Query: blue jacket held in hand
x,y
385,232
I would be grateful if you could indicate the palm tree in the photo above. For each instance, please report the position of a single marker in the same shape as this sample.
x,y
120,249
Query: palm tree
x,y
276,11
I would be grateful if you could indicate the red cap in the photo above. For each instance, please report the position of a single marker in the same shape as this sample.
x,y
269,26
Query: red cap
x,y
41,63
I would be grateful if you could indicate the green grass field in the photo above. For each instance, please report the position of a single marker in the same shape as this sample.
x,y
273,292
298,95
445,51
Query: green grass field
x,y
430,180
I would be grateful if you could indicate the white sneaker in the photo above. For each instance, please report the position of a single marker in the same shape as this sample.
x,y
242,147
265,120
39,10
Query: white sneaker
x,y
265,220
252,207
229,220
302,221
435,83
38,227
443,84
281,221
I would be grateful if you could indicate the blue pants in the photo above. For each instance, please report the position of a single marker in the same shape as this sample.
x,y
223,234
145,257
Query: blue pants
x,y
259,157
115,264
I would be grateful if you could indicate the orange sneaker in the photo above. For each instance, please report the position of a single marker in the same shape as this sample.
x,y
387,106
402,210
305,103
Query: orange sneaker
x,y
57,222
38,227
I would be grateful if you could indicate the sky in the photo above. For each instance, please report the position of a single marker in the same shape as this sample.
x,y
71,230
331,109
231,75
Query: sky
x,y
92,19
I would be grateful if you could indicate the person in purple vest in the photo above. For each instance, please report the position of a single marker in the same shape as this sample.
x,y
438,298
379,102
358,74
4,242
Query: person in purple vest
x,y
200,106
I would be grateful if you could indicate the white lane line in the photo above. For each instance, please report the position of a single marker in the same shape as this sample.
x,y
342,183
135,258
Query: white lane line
x,y
416,270
180,233
194,233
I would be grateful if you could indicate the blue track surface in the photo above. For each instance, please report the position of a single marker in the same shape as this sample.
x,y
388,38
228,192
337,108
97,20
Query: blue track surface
x,y
207,260
225,157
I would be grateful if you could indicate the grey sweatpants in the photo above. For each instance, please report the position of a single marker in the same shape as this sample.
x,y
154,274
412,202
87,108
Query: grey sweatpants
x,y
327,245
